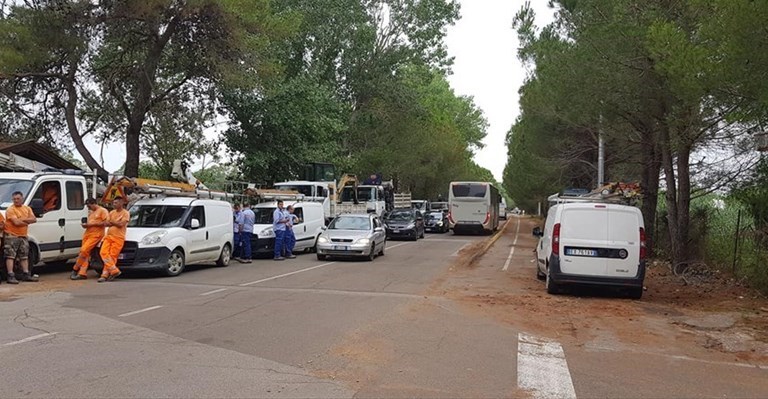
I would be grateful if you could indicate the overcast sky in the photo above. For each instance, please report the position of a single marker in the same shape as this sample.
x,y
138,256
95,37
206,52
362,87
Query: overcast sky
x,y
484,46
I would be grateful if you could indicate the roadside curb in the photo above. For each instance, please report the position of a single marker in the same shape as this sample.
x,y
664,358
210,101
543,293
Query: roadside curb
x,y
475,257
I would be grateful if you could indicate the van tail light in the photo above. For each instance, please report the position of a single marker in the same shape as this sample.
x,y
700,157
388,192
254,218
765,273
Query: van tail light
x,y
487,218
556,240
450,218
643,250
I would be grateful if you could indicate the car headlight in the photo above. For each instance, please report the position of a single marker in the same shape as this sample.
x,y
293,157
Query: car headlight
x,y
440,223
322,240
268,232
411,226
154,237
363,241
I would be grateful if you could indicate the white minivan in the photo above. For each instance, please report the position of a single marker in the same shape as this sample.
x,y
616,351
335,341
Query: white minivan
x,y
592,243
168,233
312,221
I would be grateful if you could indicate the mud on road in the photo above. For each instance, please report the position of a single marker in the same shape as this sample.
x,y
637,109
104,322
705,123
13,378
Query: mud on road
x,y
715,319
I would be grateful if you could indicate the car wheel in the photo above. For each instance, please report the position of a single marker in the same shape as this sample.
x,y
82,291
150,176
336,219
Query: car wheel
x,y
314,247
175,264
225,257
371,256
539,275
552,287
381,253
415,236
321,257
635,293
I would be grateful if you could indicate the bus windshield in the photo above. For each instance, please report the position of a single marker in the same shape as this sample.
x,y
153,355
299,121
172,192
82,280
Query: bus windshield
x,y
474,190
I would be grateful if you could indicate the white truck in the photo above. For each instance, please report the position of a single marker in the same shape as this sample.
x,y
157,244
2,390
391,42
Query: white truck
x,y
58,201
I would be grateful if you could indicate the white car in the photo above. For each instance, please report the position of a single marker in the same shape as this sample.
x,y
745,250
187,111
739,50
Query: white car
x,y
307,230
594,244
353,235
167,234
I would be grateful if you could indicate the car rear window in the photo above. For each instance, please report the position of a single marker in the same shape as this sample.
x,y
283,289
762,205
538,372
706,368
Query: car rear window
x,y
475,190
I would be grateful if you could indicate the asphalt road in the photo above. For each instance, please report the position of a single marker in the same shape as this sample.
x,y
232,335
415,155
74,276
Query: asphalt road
x,y
399,326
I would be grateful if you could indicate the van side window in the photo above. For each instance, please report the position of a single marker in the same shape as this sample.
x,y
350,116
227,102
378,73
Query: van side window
x,y
198,213
75,195
322,192
299,212
50,193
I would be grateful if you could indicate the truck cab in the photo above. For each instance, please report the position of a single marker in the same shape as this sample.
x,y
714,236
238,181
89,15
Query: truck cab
x,y
58,201
313,191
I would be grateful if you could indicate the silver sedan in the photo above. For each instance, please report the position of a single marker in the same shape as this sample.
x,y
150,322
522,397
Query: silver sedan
x,y
352,235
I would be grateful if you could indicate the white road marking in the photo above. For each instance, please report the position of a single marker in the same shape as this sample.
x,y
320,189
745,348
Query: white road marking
x,y
542,369
213,292
446,240
512,251
460,249
140,311
28,339
287,274
397,245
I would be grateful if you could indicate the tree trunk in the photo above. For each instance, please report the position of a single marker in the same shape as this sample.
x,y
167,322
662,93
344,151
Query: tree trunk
x,y
650,184
683,202
74,132
667,160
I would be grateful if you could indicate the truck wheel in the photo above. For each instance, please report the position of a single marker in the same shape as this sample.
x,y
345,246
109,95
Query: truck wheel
x,y
635,293
175,264
552,287
225,257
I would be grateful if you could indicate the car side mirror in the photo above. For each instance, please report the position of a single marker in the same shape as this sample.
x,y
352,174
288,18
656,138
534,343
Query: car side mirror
x,y
324,228
37,207
194,224
537,232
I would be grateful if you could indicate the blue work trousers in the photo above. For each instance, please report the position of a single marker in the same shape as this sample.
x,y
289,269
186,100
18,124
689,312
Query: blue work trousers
x,y
245,238
290,242
279,243
238,249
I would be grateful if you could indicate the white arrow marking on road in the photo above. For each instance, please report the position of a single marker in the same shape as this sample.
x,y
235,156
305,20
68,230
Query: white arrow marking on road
x,y
512,251
140,311
542,369
28,339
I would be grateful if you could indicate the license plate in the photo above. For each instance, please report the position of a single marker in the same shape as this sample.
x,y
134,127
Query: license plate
x,y
395,230
581,252
340,248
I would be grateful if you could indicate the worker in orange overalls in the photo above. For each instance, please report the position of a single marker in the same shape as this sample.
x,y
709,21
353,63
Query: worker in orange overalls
x,y
50,196
113,242
94,232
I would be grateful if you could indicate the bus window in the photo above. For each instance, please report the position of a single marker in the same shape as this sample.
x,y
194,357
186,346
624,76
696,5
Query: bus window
x,y
463,190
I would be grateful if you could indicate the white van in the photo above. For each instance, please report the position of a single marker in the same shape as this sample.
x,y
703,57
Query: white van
x,y
592,243
168,233
307,230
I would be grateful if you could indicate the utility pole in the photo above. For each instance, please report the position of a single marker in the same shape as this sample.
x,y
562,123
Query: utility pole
x,y
600,159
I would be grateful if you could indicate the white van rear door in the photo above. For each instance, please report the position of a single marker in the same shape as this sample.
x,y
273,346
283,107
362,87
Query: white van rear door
x,y
583,240
624,235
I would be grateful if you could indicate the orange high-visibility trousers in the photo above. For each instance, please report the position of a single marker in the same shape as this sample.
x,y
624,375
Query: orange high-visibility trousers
x,y
110,249
90,241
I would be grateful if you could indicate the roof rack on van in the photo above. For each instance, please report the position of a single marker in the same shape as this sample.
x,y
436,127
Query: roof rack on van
x,y
273,195
617,193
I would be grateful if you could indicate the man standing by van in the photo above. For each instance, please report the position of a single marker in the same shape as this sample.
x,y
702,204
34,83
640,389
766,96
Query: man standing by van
x,y
249,219
290,236
113,242
94,232
279,221
19,217
237,224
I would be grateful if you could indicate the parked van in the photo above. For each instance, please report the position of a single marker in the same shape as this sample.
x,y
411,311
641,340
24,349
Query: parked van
x,y
592,243
58,201
312,221
168,233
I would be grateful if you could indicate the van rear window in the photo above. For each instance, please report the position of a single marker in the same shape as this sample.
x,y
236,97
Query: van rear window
x,y
475,190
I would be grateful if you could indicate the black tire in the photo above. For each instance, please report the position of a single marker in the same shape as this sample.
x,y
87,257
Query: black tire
x,y
372,255
321,257
225,257
539,275
415,236
552,287
635,293
314,247
175,265
381,253
34,259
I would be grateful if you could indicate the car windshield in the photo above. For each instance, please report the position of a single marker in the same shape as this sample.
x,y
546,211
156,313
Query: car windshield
x,y
400,215
264,215
157,215
436,215
418,205
350,223
10,186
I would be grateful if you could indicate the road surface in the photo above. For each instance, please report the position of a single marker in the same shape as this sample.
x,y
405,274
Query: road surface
x,y
419,322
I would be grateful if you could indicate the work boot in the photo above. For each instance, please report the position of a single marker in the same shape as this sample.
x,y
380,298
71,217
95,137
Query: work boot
x,y
29,277
73,275
101,279
76,276
114,276
291,256
279,258
12,279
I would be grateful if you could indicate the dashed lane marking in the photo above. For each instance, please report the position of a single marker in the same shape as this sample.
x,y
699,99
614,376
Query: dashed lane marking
x,y
29,339
213,292
287,274
512,250
542,369
140,311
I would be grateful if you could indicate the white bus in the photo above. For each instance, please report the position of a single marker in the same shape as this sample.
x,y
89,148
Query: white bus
x,y
473,207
